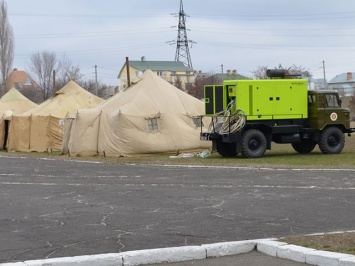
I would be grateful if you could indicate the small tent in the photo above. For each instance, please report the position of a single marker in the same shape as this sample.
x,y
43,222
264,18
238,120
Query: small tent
x,y
13,102
152,116
41,128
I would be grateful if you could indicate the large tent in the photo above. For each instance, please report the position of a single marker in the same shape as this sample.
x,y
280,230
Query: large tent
x,y
152,116
41,128
13,102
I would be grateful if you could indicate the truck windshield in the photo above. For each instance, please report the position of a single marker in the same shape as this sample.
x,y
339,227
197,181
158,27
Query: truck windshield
x,y
332,100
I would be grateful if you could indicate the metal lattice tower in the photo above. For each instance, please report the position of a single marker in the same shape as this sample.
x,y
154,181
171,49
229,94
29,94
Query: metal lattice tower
x,y
182,43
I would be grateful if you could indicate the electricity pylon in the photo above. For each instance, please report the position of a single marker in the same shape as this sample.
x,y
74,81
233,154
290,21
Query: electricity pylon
x,y
182,43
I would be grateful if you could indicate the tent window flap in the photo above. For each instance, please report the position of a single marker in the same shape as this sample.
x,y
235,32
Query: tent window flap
x,y
197,121
152,124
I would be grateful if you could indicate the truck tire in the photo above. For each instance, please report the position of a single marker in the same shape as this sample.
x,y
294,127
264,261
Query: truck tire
x,y
253,143
305,146
226,149
331,140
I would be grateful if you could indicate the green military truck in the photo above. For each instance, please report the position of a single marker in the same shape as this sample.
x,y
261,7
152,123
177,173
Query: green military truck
x,y
247,115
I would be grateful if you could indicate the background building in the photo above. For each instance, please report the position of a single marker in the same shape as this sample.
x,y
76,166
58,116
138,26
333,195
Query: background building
x,y
21,81
343,83
174,72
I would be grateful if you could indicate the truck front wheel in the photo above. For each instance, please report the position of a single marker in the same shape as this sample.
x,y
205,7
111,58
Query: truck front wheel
x,y
331,140
253,143
305,146
226,149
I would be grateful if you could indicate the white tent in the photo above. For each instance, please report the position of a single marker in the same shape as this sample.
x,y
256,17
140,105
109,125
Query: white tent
x,y
153,116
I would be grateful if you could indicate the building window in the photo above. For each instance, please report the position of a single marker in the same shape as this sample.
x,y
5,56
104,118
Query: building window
x,y
197,121
160,73
152,124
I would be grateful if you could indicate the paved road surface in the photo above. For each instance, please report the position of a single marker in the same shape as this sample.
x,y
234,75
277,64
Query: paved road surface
x,y
57,208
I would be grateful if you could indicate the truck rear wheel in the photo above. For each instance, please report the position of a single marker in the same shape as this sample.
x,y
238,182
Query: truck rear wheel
x,y
305,146
226,149
253,143
331,140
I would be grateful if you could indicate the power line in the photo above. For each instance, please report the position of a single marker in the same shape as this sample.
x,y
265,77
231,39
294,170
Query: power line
x,y
106,50
277,17
91,34
276,35
196,29
279,46
73,15
329,15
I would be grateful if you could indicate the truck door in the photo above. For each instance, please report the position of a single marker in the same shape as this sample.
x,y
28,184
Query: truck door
x,y
333,113
214,99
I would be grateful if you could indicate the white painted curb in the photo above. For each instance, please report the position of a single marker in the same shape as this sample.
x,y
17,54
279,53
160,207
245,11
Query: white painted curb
x,y
163,255
114,259
293,252
228,248
185,253
269,247
13,264
326,258
304,255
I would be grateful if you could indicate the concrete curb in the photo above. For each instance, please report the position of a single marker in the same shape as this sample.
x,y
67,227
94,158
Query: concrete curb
x,y
304,255
269,247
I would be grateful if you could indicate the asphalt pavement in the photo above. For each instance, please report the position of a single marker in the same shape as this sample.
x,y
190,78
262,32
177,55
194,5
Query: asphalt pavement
x,y
57,208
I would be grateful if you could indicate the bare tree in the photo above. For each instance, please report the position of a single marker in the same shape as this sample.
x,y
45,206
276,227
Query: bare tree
x,y
42,66
260,71
299,70
6,46
67,71
178,82
201,80
103,90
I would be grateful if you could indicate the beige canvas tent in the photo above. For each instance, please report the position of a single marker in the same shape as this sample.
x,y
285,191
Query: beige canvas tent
x,y
13,102
153,116
41,129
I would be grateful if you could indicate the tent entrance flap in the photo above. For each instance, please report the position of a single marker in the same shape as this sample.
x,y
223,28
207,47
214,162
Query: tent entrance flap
x,y
6,134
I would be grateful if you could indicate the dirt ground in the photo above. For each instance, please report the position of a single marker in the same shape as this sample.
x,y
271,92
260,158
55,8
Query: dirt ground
x,y
335,242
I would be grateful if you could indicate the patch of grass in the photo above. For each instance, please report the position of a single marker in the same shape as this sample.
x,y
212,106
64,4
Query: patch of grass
x,y
280,156
337,242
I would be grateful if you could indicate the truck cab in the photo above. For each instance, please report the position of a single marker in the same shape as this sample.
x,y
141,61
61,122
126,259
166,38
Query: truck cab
x,y
324,109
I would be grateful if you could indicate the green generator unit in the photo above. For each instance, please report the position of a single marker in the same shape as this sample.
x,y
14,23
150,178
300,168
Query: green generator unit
x,y
260,99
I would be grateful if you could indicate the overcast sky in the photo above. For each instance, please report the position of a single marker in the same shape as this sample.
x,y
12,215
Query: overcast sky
x,y
238,34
